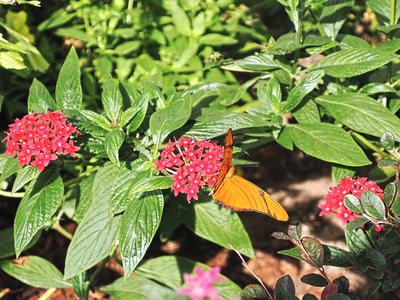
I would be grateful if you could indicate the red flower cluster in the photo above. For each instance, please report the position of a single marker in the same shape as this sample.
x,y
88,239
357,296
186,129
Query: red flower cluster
x,y
39,138
334,200
193,164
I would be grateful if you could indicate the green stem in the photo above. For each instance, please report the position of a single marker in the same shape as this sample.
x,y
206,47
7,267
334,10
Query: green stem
x,y
57,227
392,12
369,145
11,194
96,273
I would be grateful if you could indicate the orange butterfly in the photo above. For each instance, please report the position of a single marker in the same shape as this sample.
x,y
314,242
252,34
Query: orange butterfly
x,y
239,194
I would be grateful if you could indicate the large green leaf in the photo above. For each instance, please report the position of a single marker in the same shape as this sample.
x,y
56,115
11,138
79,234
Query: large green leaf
x,y
94,238
139,288
138,227
42,199
217,224
39,99
112,100
218,124
24,176
333,15
85,197
169,270
166,120
382,8
361,113
179,17
307,112
151,183
113,141
258,63
302,89
10,167
6,243
68,87
353,62
35,271
328,142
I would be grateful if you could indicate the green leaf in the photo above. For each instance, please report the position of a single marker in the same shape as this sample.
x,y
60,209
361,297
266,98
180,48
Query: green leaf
x,y
376,88
95,118
68,87
377,258
338,172
388,140
253,292
35,271
179,17
24,176
218,124
58,18
169,270
151,183
302,89
353,204
361,113
314,280
270,95
284,289
356,239
138,227
6,243
216,39
353,62
258,63
39,99
85,197
42,199
81,284
95,235
112,100
307,112
373,205
315,251
382,9
113,141
139,288
10,167
12,60
139,117
390,193
219,225
333,15
166,120
329,143
353,225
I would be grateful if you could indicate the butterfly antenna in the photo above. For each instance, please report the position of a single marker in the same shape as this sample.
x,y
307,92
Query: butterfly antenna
x,y
244,264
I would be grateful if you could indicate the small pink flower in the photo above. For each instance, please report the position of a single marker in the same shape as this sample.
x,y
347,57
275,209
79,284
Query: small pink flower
x,y
334,200
192,164
200,285
39,138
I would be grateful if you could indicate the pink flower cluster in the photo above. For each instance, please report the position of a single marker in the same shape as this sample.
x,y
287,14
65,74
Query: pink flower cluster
x,y
200,285
39,138
193,164
334,200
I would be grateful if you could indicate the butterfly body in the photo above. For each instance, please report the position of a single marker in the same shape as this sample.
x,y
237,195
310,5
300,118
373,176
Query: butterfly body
x,y
240,194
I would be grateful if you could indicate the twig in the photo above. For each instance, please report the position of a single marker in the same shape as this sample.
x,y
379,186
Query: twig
x,y
4,292
11,194
57,227
244,264
48,294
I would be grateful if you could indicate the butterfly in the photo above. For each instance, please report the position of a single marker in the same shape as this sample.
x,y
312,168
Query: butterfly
x,y
240,194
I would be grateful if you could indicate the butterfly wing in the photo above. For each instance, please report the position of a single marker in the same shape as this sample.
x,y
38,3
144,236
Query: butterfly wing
x,y
240,194
226,164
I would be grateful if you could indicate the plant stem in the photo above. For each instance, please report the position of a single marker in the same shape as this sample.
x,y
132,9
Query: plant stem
x,y
392,12
244,264
369,145
11,194
48,294
79,178
4,292
57,227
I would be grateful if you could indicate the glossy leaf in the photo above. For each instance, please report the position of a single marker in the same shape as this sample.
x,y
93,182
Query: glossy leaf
x,y
338,172
356,239
314,280
68,87
373,205
352,62
315,251
217,224
80,284
388,140
24,176
112,100
361,113
42,199
284,289
307,112
138,227
10,167
85,197
353,204
94,237
253,292
113,141
329,143
39,99
35,271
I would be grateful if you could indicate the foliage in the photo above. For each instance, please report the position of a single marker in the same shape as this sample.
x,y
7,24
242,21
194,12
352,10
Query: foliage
x,y
142,73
